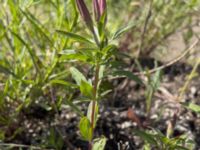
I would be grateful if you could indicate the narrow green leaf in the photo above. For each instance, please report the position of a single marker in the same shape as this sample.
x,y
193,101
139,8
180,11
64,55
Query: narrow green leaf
x,y
146,136
85,129
36,23
75,20
61,82
99,144
101,71
122,30
77,75
84,55
156,80
180,148
193,107
101,25
109,51
75,37
86,89
89,112
149,94
128,74
50,69
6,71
74,57
34,58
109,48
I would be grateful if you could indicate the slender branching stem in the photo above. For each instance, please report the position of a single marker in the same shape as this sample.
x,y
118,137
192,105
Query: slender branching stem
x,y
94,101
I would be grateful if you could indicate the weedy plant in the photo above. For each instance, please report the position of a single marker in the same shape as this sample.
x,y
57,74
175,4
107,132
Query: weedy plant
x,y
33,58
97,53
156,139
29,61
152,85
153,26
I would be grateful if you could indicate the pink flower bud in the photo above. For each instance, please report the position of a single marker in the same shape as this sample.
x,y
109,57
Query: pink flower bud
x,y
84,12
96,10
102,6
99,7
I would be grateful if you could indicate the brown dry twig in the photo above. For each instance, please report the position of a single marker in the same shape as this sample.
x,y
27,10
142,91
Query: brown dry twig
x,y
171,62
189,49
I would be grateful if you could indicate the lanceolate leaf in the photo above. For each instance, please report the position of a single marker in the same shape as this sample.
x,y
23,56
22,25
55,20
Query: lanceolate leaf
x,y
74,57
180,148
86,89
89,112
101,71
102,23
61,82
34,58
156,80
193,107
83,55
74,22
99,143
146,136
123,30
128,74
6,71
37,25
75,37
108,51
77,75
85,129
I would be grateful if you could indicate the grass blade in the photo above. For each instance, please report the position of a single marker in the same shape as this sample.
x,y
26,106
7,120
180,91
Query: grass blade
x,y
75,37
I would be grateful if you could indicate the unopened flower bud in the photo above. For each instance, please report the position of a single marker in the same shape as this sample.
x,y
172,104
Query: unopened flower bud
x,y
102,6
96,10
84,12
99,7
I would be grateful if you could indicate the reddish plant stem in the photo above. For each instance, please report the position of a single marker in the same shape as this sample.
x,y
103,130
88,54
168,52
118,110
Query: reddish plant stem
x,y
93,114
96,81
90,145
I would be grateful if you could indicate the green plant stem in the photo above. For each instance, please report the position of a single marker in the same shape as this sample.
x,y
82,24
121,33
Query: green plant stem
x,y
96,39
96,81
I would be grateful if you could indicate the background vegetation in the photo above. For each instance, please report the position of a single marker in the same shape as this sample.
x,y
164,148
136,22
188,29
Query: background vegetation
x,y
36,86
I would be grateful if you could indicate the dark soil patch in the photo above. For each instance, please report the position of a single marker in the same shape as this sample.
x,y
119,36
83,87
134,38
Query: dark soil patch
x,y
113,122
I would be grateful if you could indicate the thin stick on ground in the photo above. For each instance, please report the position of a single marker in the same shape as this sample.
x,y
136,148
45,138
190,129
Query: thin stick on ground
x,y
171,62
189,49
